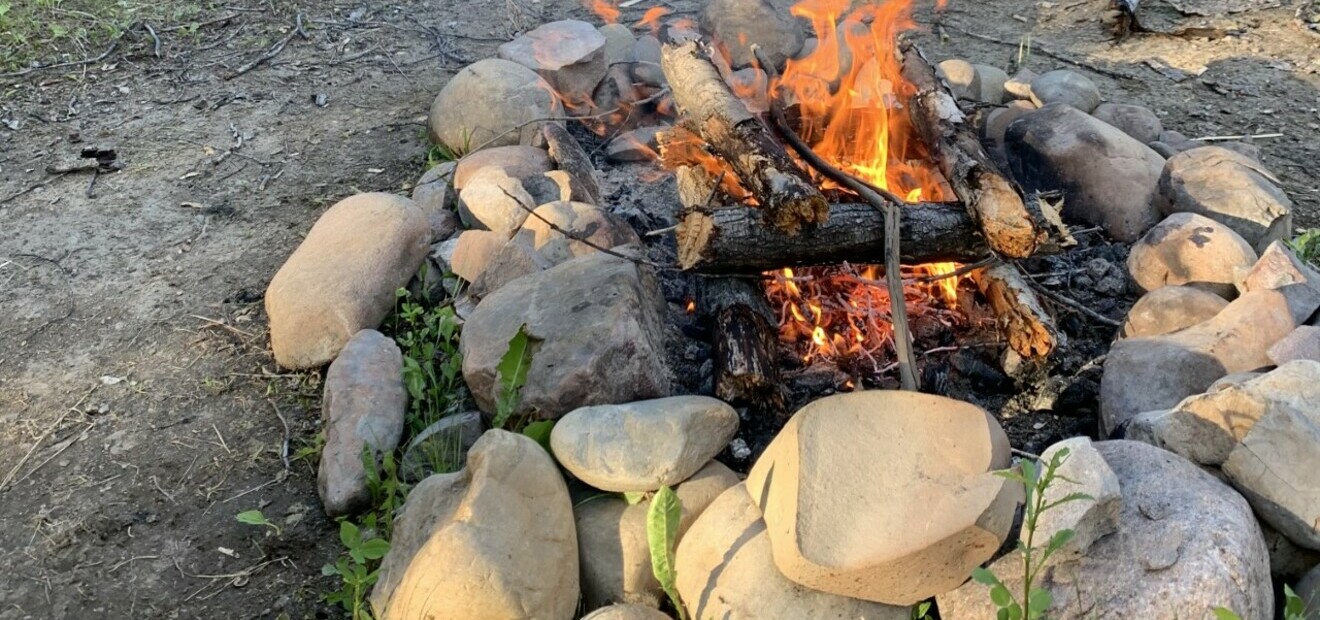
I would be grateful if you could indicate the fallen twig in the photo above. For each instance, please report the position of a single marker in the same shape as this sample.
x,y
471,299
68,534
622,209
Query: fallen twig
x,y
274,49
114,43
1036,48
1064,300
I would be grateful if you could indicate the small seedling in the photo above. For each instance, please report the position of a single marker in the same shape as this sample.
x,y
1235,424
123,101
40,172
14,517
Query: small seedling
x,y
354,571
921,611
662,521
511,375
1307,246
540,432
254,517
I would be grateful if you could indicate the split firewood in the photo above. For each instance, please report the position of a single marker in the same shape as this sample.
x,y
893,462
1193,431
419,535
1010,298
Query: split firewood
x,y
789,198
1013,227
1026,326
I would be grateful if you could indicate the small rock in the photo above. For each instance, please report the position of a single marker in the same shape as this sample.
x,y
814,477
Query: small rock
x,y
434,196
591,225
626,612
899,458
1066,87
1308,589
1190,249
568,187
998,120
1302,344
487,102
568,54
446,561
516,259
752,86
740,24
343,276
646,69
619,43
1228,188
1019,86
1083,471
1134,120
636,145
961,77
442,447
1288,562
644,445
726,569
474,251
517,161
364,404
1170,308
1277,268
992,80
598,337
618,92
1185,543
1108,178
493,200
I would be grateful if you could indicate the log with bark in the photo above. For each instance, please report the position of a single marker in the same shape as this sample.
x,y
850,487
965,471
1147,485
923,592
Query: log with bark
x,y
1012,226
786,193
1026,326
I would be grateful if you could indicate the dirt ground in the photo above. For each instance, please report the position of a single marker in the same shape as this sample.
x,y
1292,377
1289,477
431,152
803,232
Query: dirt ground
x,y
140,410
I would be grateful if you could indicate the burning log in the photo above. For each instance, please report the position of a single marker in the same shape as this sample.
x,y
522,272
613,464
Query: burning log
x,y
738,240
1013,227
784,191
1024,323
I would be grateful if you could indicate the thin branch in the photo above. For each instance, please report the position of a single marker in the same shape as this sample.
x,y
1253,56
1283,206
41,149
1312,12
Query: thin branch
x,y
114,43
579,237
1064,300
274,49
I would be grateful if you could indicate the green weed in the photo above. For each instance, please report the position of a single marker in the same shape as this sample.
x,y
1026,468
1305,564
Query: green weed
x,y
1307,246
255,517
432,365
56,30
1294,608
921,611
358,569
511,374
662,521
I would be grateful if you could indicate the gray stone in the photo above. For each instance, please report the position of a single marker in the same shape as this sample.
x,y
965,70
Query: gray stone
x,y
486,102
495,540
642,446
616,95
1288,562
619,43
1019,86
646,69
513,260
740,24
590,226
1277,268
636,145
1228,188
1084,470
1185,543
992,80
364,404
1108,178
436,198
598,337
1308,589
568,54
342,277
442,447
1302,344
961,77
474,250
998,120
518,161
1190,249
1170,308
1066,87
493,200
1134,120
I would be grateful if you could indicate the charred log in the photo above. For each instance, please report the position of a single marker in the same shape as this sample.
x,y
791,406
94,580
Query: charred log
x,y
1024,323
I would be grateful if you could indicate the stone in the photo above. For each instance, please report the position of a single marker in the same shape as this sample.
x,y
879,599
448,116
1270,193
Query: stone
x,y
597,330
1186,248
843,483
569,54
1302,344
514,260
591,225
740,24
615,96
1235,340
487,102
726,569
517,161
1134,120
998,120
448,562
436,198
474,251
612,540
1232,379
961,77
1274,464
1186,543
364,404
442,447
1229,188
1308,589
1206,428
752,86
1146,427
341,279
1108,178
1278,267
1288,562
493,200
636,145
570,187
626,612
992,80
1066,87
1168,309
646,69
1019,86
642,446
619,43
1084,470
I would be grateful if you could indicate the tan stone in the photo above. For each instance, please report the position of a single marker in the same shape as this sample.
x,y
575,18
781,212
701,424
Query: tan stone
x,y
474,252
626,612
591,223
1230,188
1187,248
341,279
517,161
845,483
487,103
1171,308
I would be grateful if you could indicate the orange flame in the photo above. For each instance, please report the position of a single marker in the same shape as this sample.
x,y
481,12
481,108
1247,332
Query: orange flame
x,y
651,19
604,9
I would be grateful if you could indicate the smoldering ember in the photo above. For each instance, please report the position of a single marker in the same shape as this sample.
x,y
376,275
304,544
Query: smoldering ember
x,y
751,309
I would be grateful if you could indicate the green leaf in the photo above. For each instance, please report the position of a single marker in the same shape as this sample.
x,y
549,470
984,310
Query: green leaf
x,y
1223,613
540,432
349,535
662,520
1294,608
983,576
1014,612
252,517
1059,539
329,570
634,497
4,8
375,548
1000,597
1002,614
1037,602
511,374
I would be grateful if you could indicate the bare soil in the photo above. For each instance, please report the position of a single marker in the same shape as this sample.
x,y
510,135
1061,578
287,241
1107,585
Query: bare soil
x,y
140,409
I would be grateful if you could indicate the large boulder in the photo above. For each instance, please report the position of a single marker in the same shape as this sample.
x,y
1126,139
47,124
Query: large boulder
x,y
612,540
343,276
740,24
1187,248
844,482
491,542
364,405
1302,344
1170,308
1108,178
1274,464
645,445
597,337
1188,361
487,104
1084,470
515,259
569,54
1134,120
493,200
726,570
1229,188
1186,543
